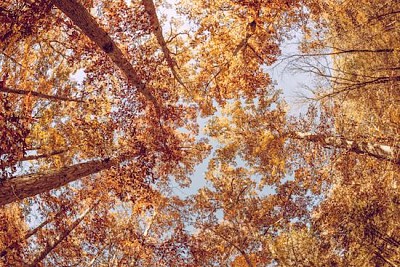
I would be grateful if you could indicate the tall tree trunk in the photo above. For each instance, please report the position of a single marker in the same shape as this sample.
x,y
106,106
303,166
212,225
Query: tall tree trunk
x,y
20,187
52,245
82,18
379,151
4,89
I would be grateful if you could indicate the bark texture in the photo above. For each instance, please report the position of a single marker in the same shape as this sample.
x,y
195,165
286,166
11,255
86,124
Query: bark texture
x,y
379,151
88,25
20,187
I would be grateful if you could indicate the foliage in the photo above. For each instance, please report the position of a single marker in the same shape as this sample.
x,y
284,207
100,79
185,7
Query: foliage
x,y
90,165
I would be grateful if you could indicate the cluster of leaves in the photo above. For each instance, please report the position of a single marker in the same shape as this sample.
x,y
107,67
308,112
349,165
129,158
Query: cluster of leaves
x,y
22,19
15,129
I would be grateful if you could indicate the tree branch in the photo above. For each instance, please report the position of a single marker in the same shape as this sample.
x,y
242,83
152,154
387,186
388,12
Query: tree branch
x,y
157,30
4,89
30,233
36,157
246,257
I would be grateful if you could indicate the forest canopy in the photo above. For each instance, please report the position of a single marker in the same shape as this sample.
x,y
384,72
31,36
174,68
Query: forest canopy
x,y
152,133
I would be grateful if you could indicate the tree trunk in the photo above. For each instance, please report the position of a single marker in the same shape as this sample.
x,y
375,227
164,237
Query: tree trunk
x,y
378,151
20,187
82,18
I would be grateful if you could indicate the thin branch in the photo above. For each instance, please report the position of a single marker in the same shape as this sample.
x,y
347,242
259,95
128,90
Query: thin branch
x,y
157,30
36,157
242,45
378,17
93,260
8,90
359,85
246,257
52,245
342,51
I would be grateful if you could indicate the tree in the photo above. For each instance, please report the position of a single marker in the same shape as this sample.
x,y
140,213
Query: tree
x,y
358,82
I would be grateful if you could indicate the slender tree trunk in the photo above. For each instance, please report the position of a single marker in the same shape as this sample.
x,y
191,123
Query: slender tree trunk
x,y
379,151
157,30
52,245
86,22
4,89
342,51
20,187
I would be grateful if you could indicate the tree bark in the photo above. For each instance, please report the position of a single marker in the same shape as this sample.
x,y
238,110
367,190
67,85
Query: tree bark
x,y
379,151
20,187
4,89
88,25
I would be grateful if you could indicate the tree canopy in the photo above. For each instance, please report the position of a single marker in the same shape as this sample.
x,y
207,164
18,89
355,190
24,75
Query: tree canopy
x,y
109,110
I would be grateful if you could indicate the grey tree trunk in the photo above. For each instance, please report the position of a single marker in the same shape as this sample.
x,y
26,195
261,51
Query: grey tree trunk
x,y
379,151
